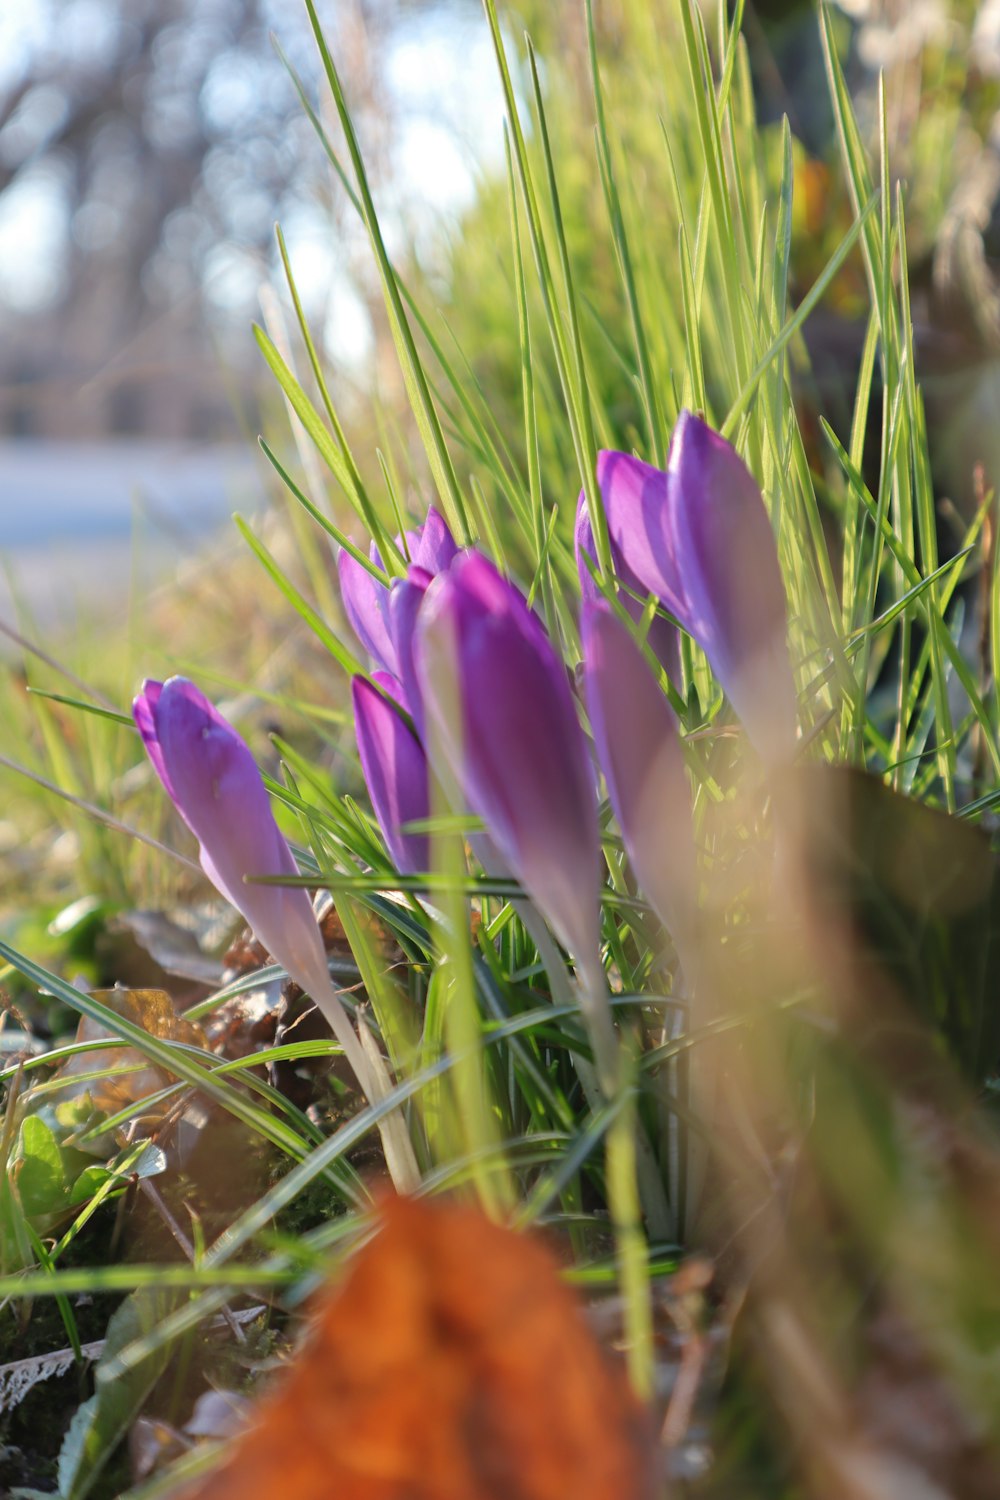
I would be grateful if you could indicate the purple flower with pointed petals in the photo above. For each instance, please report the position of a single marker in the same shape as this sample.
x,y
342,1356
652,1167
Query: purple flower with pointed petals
x,y
213,781
501,714
395,769
636,505
431,548
635,733
698,537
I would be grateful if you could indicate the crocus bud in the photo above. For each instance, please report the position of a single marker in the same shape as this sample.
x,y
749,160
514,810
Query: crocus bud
x,y
431,548
364,598
213,781
405,598
698,537
635,734
501,715
639,493
395,769
735,594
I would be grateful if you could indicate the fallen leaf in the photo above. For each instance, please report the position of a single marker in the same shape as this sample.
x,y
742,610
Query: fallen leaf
x,y
452,1363
130,1077
176,941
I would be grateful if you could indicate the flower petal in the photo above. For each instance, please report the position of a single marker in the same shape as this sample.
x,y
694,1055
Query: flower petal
x,y
735,595
432,546
392,688
698,537
635,504
405,598
395,769
635,732
365,601
144,713
662,634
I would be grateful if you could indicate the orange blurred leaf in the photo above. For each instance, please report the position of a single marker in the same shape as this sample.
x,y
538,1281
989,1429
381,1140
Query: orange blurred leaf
x,y
452,1363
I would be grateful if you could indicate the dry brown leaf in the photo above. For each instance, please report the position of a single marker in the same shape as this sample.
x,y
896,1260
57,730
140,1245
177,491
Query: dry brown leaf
x,y
452,1363
154,1011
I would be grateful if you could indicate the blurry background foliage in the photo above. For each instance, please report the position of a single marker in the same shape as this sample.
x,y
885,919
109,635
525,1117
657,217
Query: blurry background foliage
x,y
146,150
942,65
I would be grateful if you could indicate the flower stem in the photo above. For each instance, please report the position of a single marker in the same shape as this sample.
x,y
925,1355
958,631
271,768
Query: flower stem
x,y
601,1083
369,1068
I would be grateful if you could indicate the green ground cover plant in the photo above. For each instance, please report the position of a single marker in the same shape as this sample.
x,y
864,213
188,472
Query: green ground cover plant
x,y
640,859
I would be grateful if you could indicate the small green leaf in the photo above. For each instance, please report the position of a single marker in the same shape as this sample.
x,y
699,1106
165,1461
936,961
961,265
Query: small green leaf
x,y
39,1170
100,1423
87,1184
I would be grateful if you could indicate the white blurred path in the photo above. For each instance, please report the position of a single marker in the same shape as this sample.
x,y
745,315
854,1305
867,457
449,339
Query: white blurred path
x,y
73,516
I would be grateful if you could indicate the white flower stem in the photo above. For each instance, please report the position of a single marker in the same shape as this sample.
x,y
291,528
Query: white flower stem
x,y
369,1068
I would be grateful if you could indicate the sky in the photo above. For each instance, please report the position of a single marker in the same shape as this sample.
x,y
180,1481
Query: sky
x,y
440,76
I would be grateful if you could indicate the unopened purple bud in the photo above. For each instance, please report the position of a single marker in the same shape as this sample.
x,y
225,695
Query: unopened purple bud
x,y
639,495
698,537
395,770
732,581
636,510
501,714
635,734
213,781
405,598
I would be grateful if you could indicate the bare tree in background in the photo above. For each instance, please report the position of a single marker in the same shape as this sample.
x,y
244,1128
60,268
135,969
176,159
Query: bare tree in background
x,y
146,149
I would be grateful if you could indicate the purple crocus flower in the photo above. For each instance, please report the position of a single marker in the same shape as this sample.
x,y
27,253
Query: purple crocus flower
x,y
732,581
699,538
501,715
395,768
431,548
635,733
213,781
